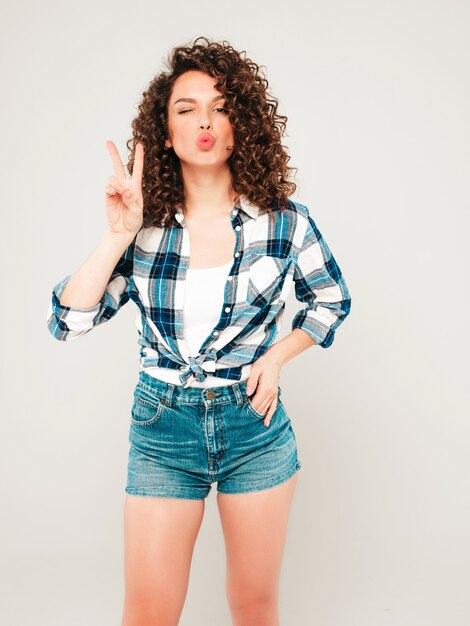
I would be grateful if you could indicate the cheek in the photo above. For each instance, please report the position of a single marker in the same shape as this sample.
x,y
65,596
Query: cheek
x,y
227,130
178,125
181,135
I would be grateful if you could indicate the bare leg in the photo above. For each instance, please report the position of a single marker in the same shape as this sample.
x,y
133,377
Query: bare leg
x,y
160,534
254,526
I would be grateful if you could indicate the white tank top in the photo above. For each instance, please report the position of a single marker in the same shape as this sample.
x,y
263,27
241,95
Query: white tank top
x,y
204,297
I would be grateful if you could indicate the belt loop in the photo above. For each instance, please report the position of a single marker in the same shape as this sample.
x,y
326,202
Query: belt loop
x,y
238,393
169,394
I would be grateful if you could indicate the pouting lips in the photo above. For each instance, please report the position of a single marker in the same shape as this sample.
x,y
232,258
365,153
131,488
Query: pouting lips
x,y
205,141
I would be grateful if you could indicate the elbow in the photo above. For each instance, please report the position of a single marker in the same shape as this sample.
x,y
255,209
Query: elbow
x,y
59,330
321,320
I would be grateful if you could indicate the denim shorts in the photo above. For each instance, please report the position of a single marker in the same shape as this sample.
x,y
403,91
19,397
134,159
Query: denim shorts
x,y
184,439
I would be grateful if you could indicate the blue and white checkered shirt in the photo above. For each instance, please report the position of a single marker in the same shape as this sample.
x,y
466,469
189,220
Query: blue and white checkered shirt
x,y
273,250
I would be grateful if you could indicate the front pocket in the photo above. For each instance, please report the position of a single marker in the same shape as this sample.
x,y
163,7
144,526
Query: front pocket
x,y
147,408
253,410
261,415
267,274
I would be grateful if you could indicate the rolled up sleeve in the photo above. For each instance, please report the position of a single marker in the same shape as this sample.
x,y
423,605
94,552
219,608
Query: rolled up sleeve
x,y
66,323
319,282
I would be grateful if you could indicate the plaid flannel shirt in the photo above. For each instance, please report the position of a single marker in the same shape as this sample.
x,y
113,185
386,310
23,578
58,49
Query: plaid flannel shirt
x,y
273,251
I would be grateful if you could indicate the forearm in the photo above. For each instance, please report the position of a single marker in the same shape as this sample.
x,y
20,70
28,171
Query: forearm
x,y
87,285
291,345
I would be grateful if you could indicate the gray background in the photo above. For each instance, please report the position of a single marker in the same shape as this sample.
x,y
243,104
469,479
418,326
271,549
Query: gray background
x,y
377,95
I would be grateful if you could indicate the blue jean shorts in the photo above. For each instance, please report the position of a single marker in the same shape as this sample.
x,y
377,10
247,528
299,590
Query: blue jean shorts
x,y
184,439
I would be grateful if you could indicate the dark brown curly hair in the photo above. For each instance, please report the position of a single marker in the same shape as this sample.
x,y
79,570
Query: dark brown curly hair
x,y
258,164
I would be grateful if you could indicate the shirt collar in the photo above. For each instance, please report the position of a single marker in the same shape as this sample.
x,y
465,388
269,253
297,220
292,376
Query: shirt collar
x,y
252,210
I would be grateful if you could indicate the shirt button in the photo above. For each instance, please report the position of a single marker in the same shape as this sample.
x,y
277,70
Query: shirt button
x,y
229,278
237,254
234,212
227,309
216,332
237,227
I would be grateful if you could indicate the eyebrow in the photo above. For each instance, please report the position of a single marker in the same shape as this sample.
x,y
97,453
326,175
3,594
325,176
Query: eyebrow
x,y
193,100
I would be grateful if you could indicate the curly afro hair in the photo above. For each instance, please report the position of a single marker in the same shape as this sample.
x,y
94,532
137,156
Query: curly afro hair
x,y
258,164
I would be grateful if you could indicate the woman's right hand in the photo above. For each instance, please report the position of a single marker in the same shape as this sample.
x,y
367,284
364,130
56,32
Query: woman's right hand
x,y
124,200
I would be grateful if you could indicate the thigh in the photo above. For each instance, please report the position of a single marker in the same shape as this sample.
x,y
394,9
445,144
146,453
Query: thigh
x,y
254,527
160,534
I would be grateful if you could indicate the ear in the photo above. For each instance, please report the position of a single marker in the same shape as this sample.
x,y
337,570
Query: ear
x,y
168,143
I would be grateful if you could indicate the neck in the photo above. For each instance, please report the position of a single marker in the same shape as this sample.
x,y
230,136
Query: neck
x,y
208,194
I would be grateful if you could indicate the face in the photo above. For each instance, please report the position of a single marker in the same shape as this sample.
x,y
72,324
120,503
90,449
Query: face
x,y
195,106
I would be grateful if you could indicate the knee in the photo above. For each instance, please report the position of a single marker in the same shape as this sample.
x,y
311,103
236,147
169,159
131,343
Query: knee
x,y
255,612
147,614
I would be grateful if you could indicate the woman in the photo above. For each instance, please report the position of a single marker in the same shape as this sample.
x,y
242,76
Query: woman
x,y
204,239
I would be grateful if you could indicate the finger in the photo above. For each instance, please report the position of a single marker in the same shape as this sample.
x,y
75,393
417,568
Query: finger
x,y
110,190
112,180
266,403
130,199
138,167
270,413
116,160
258,404
251,384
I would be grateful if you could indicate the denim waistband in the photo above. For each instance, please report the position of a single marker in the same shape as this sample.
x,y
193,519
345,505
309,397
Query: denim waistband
x,y
174,394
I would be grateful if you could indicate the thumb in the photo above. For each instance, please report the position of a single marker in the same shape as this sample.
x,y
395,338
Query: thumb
x,y
131,200
251,384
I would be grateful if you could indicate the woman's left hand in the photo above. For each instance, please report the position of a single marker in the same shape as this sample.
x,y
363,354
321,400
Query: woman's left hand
x,y
264,378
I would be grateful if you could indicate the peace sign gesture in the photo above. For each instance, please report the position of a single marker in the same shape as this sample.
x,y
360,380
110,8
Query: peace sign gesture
x,y
124,201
